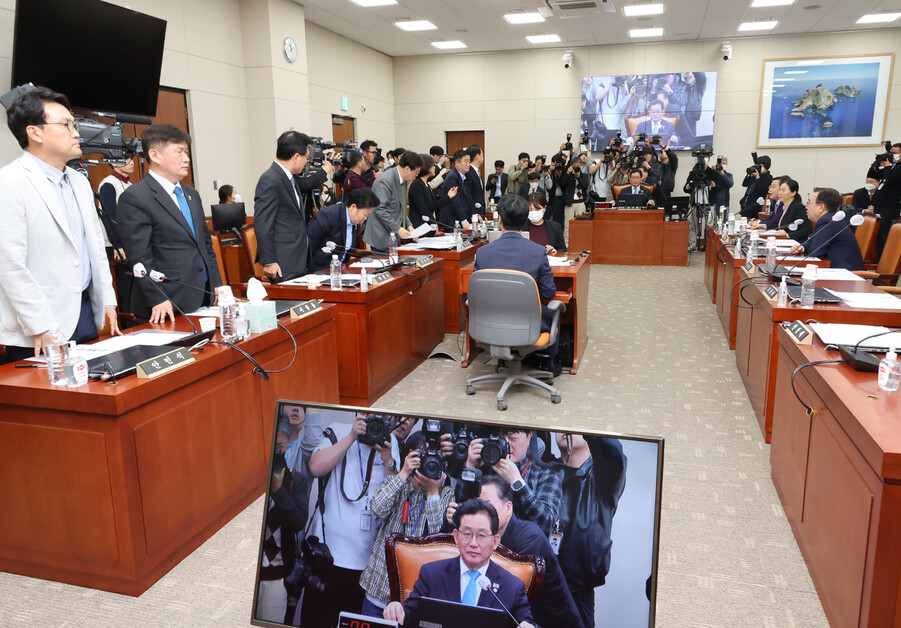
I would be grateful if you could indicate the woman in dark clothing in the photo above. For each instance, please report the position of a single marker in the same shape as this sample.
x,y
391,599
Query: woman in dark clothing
x,y
422,200
541,231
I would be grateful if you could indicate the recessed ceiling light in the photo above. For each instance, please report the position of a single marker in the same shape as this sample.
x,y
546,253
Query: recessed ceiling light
x,y
757,4
543,39
374,3
415,25
631,10
645,32
448,45
878,18
524,18
758,26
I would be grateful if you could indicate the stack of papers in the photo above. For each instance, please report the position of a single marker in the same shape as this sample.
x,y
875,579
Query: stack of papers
x,y
837,274
869,300
838,334
559,261
442,243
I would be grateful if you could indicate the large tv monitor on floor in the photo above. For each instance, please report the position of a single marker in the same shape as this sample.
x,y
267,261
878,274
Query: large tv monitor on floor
x,y
592,501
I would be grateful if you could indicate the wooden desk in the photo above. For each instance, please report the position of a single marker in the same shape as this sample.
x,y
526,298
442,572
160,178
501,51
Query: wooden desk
x,y
383,333
109,487
838,475
757,344
572,289
630,236
711,263
453,261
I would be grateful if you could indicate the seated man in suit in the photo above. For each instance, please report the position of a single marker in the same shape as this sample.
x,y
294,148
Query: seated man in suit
x,y
863,197
532,186
339,224
456,579
637,187
513,252
163,227
830,240
656,125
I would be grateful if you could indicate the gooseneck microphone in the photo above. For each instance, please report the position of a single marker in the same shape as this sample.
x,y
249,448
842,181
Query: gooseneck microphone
x,y
856,220
485,584
140,272
158,277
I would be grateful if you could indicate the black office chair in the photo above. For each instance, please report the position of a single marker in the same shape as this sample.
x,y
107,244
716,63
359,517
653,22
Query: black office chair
x,y
505,319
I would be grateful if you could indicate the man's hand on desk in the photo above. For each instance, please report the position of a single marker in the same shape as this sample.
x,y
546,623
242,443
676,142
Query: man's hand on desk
x,y
38,343
272,270
113,318
797,249
159,312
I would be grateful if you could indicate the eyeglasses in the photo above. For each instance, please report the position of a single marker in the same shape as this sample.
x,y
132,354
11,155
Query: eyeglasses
x,y
371,152
467,535
69,124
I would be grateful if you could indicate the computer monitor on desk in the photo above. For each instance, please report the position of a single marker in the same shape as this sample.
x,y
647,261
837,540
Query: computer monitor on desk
x,y
632,201
229,217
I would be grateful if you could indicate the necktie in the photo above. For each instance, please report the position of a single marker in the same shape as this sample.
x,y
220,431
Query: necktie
x,y
634,190
471,594
185,211
403,204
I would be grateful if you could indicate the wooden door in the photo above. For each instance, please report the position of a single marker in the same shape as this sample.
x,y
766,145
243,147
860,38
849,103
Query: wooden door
x,y
343,129
463,139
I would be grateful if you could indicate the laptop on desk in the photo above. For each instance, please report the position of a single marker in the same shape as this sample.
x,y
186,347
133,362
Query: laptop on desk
x,y
124,362
631,201
443,614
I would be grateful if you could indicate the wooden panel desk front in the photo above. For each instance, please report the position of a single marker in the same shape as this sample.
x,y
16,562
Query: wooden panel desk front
x,y
631,236
572,289
757,344
711,246
110,486
383,333
453,261
838,475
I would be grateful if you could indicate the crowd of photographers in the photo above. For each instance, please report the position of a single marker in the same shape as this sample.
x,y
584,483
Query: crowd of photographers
x,y
555,497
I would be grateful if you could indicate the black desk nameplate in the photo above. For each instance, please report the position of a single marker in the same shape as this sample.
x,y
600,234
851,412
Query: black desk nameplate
x,y
772,293
154,367
799,332
307,307
467,244
749,267
380,278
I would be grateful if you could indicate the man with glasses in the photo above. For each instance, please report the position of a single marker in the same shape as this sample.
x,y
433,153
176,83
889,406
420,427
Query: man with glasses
x,y
456,579
370,151
830,240
53,266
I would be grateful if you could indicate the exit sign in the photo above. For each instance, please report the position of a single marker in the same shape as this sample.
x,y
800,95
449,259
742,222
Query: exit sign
x,y
345,103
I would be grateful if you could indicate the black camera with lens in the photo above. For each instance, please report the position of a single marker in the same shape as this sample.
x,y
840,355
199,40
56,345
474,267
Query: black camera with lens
x,y
494,449
431,461
617,141
318,146
469,486
888,146
568,145
657,140
462,438
378,430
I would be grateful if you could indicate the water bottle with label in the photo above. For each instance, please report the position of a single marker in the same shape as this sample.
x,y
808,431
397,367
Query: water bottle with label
x,y
889,372
752,245
770,264
782,297
392,248
76,370
56,351
364,279
242,322
228,312
808,285
335,273
458,236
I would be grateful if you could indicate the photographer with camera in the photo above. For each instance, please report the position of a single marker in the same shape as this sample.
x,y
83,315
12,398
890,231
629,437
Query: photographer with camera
x,y
412,502
600,171
613,100
442,167
518,173
352,462
661,166
757,180
574,186
356,168
887,197
497,182
721,194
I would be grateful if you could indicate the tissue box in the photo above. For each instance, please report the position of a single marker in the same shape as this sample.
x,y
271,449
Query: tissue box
x,y
261,316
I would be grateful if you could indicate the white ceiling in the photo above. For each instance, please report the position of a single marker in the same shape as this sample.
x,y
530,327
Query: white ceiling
x,y
480,24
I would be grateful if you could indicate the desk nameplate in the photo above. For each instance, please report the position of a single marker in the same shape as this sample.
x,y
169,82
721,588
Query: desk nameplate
x,y
800,333
306,308
154,367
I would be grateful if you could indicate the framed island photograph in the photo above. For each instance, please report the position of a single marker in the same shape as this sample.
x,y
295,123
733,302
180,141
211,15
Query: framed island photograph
x,y
824,101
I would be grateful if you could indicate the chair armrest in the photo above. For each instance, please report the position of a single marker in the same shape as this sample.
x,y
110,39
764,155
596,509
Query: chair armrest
x,y
868,274
557,308
891,289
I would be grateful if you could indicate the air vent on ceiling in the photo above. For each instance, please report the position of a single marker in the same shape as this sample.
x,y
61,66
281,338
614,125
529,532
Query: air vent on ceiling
x,y
574,5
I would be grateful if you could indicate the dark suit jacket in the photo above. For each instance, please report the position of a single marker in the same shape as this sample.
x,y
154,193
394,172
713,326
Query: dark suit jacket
x,y
666,129
502,180
459,207
888,194
424,203
524,190
329,223
511,251
757,188
441,580
794,212
861,198
645,191
154,232
279,225
842,251
476,191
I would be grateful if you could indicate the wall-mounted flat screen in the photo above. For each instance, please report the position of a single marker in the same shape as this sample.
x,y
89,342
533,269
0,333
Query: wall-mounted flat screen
x,y
678,107
372,515
101,56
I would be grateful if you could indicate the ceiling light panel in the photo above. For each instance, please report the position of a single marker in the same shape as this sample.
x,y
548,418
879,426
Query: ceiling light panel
x,y
543,39
374,3
415,25
878,18
633,10
758,26
448,45
524,18
645,32
760,4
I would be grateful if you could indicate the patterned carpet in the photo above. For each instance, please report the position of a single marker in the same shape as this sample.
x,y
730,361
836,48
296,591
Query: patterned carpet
x,y
657,364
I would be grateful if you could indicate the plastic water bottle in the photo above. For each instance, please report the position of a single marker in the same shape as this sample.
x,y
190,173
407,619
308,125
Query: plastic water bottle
x,y
228,312
364,279
392,248
782,297
889,372
766,208
753,245
334,272
730,225
242,323
770,264
56,351
76,371
808,285
458,236
736,252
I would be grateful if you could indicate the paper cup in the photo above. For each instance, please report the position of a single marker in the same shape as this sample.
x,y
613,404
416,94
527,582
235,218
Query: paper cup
x,y
208,323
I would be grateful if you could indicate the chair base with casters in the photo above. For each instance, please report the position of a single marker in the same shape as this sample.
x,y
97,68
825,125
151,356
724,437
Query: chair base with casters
x,y
515,375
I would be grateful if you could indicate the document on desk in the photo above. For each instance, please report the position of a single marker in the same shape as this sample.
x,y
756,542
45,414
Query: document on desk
x,y
154,337
372,263
205,311
837,274
437,243
421,230
869,300
559,261
841,334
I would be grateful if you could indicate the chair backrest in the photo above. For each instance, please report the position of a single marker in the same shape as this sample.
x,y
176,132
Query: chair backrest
x,y
866,238
847,198
406,555
890,262
220,261
504,308
249,237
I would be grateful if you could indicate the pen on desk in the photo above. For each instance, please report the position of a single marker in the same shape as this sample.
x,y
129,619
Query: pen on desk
x,y
29,366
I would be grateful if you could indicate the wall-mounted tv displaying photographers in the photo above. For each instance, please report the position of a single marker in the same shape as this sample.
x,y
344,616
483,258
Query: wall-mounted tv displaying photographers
x,y
674,110
376,518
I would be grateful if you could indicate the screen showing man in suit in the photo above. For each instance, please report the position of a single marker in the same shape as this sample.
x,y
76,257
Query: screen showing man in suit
x,y
53,264
163,227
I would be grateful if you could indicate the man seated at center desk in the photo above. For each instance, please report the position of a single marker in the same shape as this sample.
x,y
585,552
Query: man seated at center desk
x,y
637,187
512,251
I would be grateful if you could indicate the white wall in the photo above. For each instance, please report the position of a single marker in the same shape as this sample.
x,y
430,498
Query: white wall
x,y
526,101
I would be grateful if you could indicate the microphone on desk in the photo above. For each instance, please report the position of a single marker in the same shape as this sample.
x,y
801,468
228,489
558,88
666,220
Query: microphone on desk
x,y
140,272
791,227
485,584
856,220
158,277
429,220
330,248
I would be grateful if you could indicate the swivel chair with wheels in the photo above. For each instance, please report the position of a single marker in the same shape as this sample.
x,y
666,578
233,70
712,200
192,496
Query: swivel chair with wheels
x,y
505,319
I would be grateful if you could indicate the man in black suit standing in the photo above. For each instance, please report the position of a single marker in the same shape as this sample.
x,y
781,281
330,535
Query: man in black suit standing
x,y
461,205
474,179
162,226
497,182
340,224
278,216
887,197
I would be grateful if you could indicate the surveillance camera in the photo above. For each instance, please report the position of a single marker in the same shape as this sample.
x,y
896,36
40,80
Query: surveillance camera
x,y
727,52
567,59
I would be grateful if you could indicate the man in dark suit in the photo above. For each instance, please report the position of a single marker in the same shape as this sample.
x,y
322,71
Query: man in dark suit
x,y
830,240
637,187
456,579
162,226
390,216
460,208
497,182
474,179
656,125
887,197
863,197
758,182
511,251
340,224
278,209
